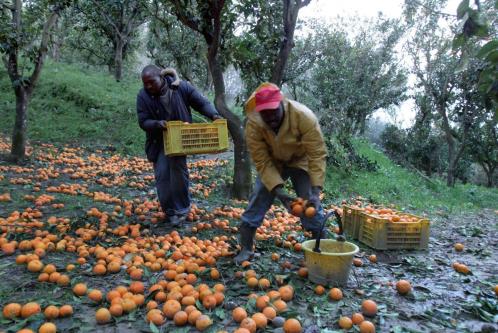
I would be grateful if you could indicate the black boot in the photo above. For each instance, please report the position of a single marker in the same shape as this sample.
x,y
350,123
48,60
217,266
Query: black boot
x,y
246,242
175,221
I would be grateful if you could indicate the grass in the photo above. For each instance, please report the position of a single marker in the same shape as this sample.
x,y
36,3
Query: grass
x,y
394,184
89,108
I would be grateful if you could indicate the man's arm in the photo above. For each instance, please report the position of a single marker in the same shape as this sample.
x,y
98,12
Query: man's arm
x,y
270,177
200,103
145,119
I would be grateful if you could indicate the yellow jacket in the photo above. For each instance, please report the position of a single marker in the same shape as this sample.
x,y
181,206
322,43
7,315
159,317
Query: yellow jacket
x,y
298,144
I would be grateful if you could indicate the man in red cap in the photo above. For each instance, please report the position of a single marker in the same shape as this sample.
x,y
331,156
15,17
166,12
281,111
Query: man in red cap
x,y
285,141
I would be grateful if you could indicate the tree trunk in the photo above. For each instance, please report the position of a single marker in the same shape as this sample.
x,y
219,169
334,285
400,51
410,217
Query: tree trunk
x,y
291,11
118,59
489,175
18,149
242,165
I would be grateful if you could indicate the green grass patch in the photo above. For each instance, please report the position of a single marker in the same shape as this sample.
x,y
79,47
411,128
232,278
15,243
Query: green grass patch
x,y
408,190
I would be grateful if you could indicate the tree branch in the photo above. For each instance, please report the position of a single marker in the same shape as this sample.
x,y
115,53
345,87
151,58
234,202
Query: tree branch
x,y
42,50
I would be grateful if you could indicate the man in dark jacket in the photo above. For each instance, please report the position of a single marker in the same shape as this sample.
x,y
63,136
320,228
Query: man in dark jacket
x,y
164,98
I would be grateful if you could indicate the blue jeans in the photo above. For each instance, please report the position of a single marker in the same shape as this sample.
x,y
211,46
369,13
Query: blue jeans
x,y
261,200
172,184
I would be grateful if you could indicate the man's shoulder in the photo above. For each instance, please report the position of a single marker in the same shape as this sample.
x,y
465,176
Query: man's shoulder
x,y
301,110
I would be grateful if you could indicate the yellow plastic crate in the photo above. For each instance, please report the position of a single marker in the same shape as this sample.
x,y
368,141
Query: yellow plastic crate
x,y
352,221
382,234
189,139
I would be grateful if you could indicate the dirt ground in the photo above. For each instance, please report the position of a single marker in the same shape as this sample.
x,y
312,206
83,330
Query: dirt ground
x,y
442,300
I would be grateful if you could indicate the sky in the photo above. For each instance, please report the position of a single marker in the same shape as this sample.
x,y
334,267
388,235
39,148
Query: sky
x,y
328,9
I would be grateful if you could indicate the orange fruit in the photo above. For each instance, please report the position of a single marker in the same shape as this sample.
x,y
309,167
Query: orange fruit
x,y
357,318
310,212
47,328
65,311
156,318
209,302
269,312
297,210
99,269
215,274
137,287
372,258
275,256
345,323
357,262
180,318
239,314
319,290
303,272
95,295
171,307
51,312
249,324
25,330
280,305
128,305
367,327
369,308
102,316
286,293
262,302
335,294
35,266
496,290
252,282
12,310
260,319
459,247
264,283
79,289
203,322
116,310
30,309
63,280
292,326
193,316
403,287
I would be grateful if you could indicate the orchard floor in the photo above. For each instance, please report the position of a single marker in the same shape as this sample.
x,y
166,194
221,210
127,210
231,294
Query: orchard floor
x,y
104,194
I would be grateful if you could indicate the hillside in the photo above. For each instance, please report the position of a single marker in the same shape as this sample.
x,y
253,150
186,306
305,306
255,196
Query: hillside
x,y
77,106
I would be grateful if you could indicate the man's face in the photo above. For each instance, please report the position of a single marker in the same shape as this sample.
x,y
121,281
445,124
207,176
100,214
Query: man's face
x,y
273,117
152,83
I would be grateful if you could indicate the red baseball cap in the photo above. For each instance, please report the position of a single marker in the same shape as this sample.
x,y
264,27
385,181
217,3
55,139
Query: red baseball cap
x,y
268,98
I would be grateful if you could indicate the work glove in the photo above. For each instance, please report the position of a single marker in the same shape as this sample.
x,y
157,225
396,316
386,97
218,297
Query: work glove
x,y
283,196
162,124
314,199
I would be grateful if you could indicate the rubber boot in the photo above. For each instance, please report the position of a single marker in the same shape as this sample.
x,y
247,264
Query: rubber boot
x,y
246,242
175,221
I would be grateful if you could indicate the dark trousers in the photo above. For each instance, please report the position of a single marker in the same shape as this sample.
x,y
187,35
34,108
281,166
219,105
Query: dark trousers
x,y
261,200
172,184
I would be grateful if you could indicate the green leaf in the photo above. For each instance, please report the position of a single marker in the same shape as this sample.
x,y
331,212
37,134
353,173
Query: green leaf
x,y
458,41
488,47
153,328
463,7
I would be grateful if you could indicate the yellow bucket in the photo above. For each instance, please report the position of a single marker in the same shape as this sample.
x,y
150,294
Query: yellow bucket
x,y
332,265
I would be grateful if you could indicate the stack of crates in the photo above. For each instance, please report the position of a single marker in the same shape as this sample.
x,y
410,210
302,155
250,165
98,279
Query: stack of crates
x,y
188,139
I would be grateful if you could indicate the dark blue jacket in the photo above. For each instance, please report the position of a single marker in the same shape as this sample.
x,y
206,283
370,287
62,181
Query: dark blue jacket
x,y
150,111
